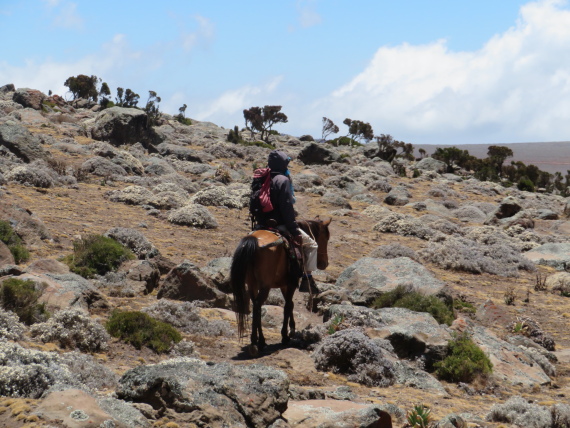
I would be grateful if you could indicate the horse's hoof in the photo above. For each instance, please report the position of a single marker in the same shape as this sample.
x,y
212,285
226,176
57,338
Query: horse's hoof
x,y
253,350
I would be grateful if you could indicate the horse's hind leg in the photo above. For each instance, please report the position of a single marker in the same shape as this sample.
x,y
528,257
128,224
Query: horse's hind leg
x,y
288,317
257,338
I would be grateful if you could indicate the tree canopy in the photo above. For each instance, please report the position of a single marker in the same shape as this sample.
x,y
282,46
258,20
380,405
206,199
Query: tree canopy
x,y
262,119
83,86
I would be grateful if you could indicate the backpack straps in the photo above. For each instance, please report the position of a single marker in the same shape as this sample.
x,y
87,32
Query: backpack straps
x,y
264,194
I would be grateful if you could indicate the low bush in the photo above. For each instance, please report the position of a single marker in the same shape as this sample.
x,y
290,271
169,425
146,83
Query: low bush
x,y
9,237
344,141
10,326
464,362
520,412
140,329
407,297
353,353
21,297
72,329
97,254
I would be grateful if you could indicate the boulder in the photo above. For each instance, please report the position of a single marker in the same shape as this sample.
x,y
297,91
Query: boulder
x,y
318,154
7,89
335,413
134,241
47,266
384,275
21,142
398,196
215,394
186,282
510,364
119,125
194,215
6,257
141,276
556,255
76,408
31,98
431,164
67,291
218,271
102,167
508,207
30,175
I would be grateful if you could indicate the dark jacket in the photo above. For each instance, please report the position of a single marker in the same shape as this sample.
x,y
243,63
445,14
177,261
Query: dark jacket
x,y
281,194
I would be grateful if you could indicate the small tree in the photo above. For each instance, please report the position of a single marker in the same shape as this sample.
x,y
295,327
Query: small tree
x,y
83,86
359,130
497,155
152,109
104,93
329,128
262,119
131,98
452,155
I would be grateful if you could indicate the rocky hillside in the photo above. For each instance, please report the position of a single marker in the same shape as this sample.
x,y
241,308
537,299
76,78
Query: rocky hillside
x,y
441,291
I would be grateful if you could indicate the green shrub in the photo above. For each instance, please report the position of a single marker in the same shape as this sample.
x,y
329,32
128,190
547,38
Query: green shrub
x,y
419,416
183,120
463,306
407,297
525,183
344,141
417,173
9,237
21,297
140,329
464,362
97,254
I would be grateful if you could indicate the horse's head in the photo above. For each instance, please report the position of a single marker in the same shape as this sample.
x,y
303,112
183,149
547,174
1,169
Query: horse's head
x,y
320,231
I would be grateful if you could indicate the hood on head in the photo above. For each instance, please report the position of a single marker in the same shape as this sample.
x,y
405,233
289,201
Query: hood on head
x,y
278,161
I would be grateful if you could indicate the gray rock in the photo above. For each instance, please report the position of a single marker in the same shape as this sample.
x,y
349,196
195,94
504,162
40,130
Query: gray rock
x,y
413,377
6,257
318,154
102,167
186,282
119,126
19,141
180,152
158,166
336,200
470,213
386,274
508,207
398,196
556,255
431,164
7,89
239,396
133,240
218,271
30,175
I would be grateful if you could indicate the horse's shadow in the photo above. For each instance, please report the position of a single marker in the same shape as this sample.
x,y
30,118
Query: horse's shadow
x,y
245,355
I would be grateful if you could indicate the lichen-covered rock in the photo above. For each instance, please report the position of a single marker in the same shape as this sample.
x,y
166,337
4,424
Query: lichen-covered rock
x,y
119,125
102,167
431,164
314,153
31,98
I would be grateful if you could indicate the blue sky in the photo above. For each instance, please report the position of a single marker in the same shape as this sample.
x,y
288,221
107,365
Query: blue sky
x,y
437,72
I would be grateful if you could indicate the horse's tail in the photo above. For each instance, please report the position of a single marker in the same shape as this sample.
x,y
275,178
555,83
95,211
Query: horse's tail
x,y
241,262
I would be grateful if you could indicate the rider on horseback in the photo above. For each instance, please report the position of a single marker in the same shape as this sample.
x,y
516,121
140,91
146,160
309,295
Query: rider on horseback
x,y
283,214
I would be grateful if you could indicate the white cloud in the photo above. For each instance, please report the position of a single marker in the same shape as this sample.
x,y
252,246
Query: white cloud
x,y
202,36
307,15
109,62
64,14
227,109
515,88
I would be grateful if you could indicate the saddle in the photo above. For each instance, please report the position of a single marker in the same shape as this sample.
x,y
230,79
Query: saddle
x,y
294,252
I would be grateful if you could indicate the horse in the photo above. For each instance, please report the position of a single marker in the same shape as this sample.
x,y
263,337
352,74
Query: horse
x,y
260,263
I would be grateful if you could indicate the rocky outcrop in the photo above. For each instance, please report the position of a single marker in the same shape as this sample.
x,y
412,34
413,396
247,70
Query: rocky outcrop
x,y
31,98
318,154
19,141
186,282
120,126
217,394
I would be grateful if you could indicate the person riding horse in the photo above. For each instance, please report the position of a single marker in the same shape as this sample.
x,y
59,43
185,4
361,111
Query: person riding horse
x,y
283,214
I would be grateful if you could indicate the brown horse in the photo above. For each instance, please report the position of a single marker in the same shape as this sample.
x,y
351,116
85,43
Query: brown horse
x,y
261,263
